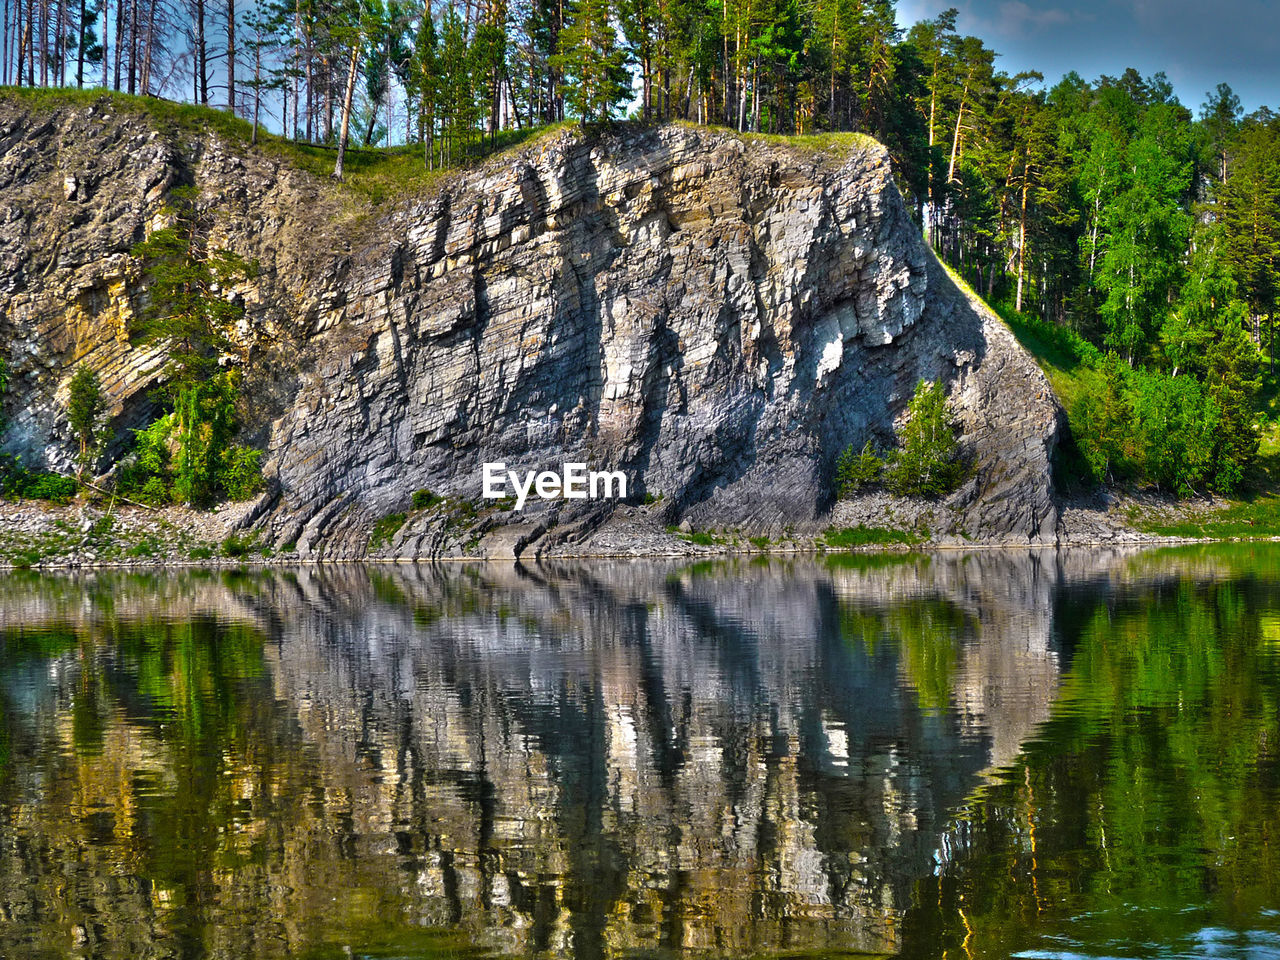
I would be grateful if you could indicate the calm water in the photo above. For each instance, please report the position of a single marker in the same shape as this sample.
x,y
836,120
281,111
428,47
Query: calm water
x,y
993,755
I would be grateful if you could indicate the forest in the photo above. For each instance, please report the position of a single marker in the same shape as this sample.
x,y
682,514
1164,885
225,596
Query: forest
x,y
1132,241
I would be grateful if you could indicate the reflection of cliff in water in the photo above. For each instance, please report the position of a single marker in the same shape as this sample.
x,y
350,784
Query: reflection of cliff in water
x,y
574,760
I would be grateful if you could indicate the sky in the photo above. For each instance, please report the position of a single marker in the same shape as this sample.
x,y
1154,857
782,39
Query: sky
x,y
1197,43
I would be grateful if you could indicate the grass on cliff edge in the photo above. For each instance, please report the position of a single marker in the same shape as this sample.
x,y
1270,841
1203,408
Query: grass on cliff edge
x,y
376,173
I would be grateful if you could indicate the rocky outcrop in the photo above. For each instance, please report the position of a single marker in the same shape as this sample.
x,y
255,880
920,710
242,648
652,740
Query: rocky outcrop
x,y
716,316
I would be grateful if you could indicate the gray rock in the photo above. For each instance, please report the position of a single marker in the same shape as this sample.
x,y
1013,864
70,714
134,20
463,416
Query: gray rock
x,y
718,318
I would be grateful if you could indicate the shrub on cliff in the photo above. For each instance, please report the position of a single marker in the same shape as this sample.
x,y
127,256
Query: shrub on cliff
x,y
190,312
927,462
86,414
155,472
857,471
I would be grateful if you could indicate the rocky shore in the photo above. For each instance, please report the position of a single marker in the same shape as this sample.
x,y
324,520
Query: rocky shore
x,y
103,534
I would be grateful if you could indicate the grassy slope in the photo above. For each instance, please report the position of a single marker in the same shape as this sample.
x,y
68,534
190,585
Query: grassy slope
x,y
1064,358
372,173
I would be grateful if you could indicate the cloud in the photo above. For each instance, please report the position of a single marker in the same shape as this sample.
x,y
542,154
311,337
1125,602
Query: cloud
x,y
1018,17
1197,45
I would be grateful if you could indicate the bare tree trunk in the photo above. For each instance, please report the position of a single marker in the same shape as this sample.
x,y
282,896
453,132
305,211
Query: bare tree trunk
x,y
115,85
44,43
328,99
346,106
202,52
231,64
80,49
31,43
145,86
133,46
257,87
755,96
1022,236
106,47
60,50
955,145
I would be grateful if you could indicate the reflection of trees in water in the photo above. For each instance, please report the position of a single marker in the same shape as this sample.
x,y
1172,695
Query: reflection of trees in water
x,y
1147,810
557,759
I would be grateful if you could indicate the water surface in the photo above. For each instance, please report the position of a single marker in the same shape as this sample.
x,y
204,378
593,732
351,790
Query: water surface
x,y
963,755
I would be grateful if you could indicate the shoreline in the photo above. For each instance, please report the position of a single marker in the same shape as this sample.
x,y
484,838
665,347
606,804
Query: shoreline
x,y
706,554
84,535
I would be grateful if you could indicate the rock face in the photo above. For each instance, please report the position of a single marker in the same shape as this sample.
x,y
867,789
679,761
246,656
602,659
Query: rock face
x,y
716,316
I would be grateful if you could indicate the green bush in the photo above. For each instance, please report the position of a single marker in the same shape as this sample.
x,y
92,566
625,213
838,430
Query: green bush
x,y
385,529
12,477
863,536
423,499
155,492
855,471
927,462
86,415
145,474
153,474
50,486
1172,432
240,476
236,546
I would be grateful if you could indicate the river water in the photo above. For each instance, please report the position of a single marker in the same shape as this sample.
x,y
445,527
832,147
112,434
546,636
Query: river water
x,y
991,754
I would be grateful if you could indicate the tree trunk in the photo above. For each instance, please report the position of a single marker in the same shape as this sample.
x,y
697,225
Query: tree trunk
x,y
133,46
60,51
145,86
231,64
346,106
106,47
43,19
257,88
955,144
115,80
1022,237
201,52
80,50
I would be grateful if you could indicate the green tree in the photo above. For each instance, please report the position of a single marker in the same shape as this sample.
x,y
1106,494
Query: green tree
x,y
854,471
1248,208
86,415
189,311
927,462
423,83
1145,228
1101,422
593,62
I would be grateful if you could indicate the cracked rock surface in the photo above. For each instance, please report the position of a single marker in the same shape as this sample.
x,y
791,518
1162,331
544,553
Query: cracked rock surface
x,y
716,316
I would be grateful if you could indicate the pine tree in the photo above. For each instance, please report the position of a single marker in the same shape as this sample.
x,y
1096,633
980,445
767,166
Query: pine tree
x,y
86,414
593,63
927,462
1249,211
187,310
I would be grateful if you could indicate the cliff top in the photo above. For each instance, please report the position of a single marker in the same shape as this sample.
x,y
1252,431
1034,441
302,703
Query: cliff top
x,y
374,175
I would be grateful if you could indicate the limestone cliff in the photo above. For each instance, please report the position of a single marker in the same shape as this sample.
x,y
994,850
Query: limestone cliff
x,y
716,315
